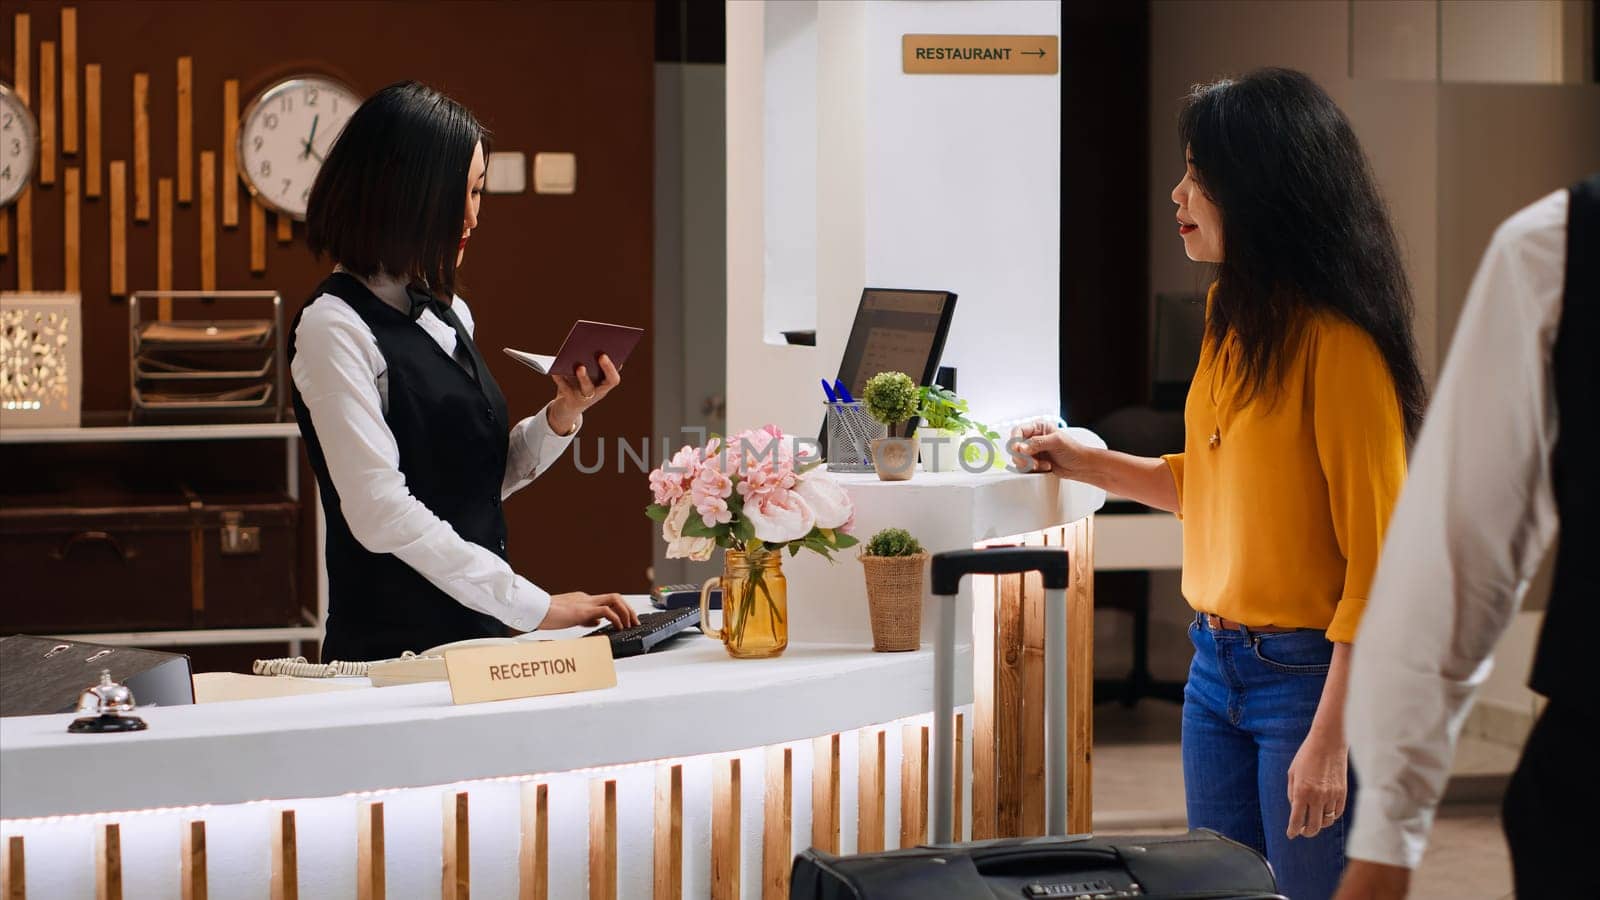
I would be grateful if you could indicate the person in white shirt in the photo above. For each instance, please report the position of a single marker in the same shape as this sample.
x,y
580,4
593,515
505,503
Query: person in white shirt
x,y
406,430
1492,477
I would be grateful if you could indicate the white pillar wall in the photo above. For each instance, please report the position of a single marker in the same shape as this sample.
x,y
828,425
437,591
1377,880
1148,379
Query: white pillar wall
x,y
947,182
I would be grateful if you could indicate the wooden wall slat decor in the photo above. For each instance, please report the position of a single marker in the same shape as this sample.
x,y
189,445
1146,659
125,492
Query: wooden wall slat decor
x,y
141,147
985,615
1079,540
22,54
164,245
1008,707
46,112
871,754
777,824
602,839
285,228
230,149
371,864
456,871
258,237
957,791
1032,683
285,858
185,130
14,870
118,208
208,220
91,130
69,80
914,785
72,245
108,862
667,872
533,860
825,793
725,835
193,870
25,239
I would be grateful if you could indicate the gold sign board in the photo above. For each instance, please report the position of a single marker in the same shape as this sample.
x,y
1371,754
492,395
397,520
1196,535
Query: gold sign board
x,y
530,669
981,54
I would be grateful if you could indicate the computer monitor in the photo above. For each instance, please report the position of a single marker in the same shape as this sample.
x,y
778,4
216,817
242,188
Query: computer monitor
x,y
895,331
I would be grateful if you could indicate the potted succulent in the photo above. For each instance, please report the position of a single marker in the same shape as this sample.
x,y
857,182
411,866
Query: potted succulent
x,y
891,398
893,562
944,423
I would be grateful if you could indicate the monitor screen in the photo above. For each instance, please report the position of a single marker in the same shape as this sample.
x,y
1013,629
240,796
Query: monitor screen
x,y
896,331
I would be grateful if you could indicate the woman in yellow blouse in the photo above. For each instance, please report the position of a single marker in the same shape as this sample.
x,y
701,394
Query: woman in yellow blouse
x,y
1294,453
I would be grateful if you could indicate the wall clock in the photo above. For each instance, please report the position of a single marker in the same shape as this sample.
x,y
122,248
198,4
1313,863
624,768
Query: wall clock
x,y
19,145
285,134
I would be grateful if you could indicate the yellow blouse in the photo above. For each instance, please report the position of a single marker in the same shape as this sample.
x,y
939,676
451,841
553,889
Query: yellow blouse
x,y
1284,504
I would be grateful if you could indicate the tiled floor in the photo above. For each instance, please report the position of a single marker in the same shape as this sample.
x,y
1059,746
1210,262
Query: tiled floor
x,y
1138,786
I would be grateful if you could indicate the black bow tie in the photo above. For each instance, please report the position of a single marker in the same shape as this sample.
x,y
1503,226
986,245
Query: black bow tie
x,y
421,299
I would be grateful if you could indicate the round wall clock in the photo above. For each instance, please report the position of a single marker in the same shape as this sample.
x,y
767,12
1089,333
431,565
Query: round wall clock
x,y
285,134
19,145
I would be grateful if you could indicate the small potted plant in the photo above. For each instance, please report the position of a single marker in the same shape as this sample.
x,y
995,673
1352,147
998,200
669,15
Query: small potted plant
x,y
891,398
893,562
944,423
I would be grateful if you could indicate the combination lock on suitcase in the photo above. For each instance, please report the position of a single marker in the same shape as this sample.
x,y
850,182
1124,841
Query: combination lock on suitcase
x,y
1200,864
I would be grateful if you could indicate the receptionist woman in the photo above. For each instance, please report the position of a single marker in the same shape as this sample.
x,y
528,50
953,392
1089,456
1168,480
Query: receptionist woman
x,y
1294,454
407,432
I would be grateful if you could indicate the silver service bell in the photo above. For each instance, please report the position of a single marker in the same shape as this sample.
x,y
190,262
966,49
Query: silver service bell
x,y
106,707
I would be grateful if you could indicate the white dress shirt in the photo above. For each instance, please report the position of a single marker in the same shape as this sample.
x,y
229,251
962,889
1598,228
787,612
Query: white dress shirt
x,y
344,381
1470,531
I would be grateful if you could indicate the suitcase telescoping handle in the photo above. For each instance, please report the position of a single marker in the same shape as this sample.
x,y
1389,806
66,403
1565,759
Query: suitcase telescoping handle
x,y
947,571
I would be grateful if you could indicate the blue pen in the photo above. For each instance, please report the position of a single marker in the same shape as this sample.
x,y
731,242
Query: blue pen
x,y
842,392
828,391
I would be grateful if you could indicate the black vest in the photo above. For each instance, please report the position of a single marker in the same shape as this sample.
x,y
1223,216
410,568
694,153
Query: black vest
x,y
1564,664
452,432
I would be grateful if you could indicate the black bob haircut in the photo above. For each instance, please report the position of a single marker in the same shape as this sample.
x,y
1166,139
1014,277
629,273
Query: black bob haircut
x,y
392,194
1303,226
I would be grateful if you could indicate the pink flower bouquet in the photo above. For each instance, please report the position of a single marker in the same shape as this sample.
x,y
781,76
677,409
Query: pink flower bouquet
x,y
751,492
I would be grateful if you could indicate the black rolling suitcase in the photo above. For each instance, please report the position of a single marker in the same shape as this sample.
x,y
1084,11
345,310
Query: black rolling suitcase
x,y
1200,864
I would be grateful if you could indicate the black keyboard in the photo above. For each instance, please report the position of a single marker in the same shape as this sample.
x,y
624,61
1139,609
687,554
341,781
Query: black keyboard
x,y
653,629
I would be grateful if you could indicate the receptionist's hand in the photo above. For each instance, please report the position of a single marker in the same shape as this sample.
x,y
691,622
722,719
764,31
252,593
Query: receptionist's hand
x,y
578,608
1041,447
574,394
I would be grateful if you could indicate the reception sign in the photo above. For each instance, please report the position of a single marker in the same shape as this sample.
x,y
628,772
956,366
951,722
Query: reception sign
x,y
530,669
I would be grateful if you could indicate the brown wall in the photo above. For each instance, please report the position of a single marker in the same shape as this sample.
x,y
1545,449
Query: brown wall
x,y
542,76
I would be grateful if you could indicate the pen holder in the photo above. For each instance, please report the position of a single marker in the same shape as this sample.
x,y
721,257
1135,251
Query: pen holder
x,y
851,431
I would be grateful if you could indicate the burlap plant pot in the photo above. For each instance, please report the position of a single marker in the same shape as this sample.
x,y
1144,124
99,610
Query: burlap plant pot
x,y
894,600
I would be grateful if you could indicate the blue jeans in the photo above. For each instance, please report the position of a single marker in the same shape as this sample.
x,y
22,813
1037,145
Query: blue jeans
x,y
1246,709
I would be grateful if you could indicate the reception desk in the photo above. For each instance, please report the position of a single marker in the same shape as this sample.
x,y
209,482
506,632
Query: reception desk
x,y
697,774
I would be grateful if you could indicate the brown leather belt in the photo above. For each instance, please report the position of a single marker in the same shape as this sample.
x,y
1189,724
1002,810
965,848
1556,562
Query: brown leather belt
x,y
1218,623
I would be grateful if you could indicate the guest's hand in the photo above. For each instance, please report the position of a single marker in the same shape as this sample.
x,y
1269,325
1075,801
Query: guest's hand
x,y
578,608
1365,880
576,393
1041,447
1317,787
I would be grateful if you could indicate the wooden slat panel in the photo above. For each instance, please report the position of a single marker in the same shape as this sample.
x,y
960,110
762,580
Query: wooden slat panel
x,y
193,871
119,228
602,839
1008,707
825,793
22,54
985,596
164,245
258,237
230,140
1079,540
5,232
25,239
14,870
871,756
91,130
1032,683
957,790
285,228
69,79
72,246
185,129
285,858
108,862
777,824
913,785
668,837
141,147
46,112
725,830
371,869
533,860
208,220
456,877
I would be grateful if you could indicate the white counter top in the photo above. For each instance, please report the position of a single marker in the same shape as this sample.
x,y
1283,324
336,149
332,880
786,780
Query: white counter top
x,y
689,699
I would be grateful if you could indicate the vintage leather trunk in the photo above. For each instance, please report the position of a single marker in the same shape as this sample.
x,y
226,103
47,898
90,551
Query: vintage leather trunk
x,y
133,563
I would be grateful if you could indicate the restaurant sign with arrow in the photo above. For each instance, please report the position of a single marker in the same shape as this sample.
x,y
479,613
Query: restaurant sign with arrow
x,y
981,54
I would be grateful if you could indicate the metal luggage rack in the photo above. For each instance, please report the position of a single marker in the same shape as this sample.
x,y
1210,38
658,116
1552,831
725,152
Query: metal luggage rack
x,y
259,390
